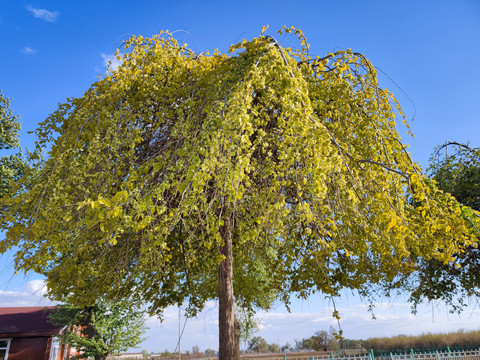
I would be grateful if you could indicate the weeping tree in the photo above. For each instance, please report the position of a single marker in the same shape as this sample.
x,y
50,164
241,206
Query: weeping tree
x,y
455,167
183,177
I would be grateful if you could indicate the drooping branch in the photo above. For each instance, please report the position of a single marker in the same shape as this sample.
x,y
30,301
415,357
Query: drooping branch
x,y
385,167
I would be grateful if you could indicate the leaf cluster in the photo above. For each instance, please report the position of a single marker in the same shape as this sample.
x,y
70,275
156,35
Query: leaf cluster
x,y
11,166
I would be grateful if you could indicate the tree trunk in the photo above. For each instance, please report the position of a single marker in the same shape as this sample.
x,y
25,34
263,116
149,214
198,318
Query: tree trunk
x,y
226,317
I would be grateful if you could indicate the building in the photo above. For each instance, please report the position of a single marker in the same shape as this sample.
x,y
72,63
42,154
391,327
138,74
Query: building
x,y
25,334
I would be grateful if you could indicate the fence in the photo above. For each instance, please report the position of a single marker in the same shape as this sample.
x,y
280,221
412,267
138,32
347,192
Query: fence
x,y
407,355
431,355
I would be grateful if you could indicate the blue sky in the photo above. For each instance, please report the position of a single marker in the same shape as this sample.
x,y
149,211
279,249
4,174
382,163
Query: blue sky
x,y
52,50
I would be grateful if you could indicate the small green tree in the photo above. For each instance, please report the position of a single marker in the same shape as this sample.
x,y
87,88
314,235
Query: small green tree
x,y
248,325
100,330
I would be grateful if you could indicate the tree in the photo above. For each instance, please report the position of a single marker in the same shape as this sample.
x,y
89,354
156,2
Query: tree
x,y
177,164
334,345
273,348
11,166
455,168
248,326
258,344
210,352
100,330
167,354
319,341
286,347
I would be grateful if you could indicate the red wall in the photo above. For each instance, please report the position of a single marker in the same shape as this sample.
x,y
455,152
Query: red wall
x,y
29,348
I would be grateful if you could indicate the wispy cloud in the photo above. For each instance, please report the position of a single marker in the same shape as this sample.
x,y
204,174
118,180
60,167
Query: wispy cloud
x,y
43,14
31,294
28,51
110,60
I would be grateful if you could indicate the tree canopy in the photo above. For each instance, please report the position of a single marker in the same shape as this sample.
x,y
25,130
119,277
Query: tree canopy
x,y
183,177
11,166
455,168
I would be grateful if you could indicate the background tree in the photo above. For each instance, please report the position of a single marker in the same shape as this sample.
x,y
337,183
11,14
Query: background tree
x,y
168,354
248,325
323,340
456,169
319,341
273,348
177,164
455,339
100,330
336,338
210,352
11,166
258,344
286,347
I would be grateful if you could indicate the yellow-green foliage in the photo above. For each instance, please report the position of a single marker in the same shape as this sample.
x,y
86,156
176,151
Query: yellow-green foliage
x,y
300,152
11,166
460,338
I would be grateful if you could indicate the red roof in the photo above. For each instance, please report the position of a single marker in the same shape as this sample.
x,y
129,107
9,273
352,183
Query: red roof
x,y
26,322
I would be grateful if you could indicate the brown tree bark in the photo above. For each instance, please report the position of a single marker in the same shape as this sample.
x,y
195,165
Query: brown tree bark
x,y
226,317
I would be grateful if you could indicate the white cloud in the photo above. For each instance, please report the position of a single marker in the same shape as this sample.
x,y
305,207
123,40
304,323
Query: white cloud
x,y
391,318
31,294
49,16
279,326
110,60
28,51
36,287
